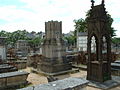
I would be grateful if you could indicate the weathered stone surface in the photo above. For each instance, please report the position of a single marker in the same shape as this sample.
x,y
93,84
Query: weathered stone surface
x,y
65,84
53,68
13,78
115,68
99,59
21,64
53,49
107,84
7,68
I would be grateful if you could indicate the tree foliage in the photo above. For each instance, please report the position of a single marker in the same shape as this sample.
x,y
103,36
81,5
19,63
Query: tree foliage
x,y
80,25
35,42
116,40
110,21
13,37
70,39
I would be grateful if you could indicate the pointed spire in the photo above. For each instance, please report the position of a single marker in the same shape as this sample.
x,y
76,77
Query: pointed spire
x,y
92,1
103,1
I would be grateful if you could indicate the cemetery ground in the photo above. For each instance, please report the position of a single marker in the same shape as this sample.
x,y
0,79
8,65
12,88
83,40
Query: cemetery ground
x,y
36,79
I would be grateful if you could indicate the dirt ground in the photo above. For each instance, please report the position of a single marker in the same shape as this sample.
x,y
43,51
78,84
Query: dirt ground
x,y
36,79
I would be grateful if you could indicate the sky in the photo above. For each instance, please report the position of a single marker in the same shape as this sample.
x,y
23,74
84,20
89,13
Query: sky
x,y
31,15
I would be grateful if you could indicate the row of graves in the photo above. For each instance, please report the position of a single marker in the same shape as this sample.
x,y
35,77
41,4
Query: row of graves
x,y
98,63
54,60
10,76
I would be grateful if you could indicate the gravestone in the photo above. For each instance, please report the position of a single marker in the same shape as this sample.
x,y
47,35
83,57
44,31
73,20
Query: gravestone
x,y
53,49
2,49
99,58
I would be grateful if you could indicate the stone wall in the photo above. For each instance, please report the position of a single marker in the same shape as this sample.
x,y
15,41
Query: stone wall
x,y
33,60
21,64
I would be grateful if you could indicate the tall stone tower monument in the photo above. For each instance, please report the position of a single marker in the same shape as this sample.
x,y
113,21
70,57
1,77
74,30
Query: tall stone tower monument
x,y
54,49
99,60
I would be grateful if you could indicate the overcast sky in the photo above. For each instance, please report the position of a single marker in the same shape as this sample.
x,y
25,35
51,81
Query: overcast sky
x,y
31,14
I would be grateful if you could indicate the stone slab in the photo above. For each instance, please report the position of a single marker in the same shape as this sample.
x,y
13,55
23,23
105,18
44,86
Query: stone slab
x,y
12,80
57,73
81,67
115,64
106,85
2,66
27,88
65,84
11,74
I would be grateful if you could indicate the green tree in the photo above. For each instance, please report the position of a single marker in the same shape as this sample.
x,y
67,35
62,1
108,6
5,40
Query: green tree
x,y
3,33
110,21
36,42
70,39
81,24
116,40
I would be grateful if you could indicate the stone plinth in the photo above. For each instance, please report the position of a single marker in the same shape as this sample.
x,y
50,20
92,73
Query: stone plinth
x,y
65,84
99,57
12,79
49,68
115,68
7,68
53,49
114,82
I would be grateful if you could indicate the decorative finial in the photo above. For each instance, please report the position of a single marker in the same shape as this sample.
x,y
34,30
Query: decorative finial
x,y
103,1
92,3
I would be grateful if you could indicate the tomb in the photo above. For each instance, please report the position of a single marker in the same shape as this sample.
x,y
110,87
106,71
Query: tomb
x,y
99,44
4,68
53,49
12,79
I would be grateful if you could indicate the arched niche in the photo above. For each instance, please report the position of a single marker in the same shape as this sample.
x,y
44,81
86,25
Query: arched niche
x,y
94,48
104,48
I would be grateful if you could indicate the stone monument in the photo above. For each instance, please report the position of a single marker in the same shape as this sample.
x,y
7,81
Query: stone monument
x,y
53,49
2,49
99,58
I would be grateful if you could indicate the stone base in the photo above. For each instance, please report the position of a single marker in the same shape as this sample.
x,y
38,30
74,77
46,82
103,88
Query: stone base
x,y
107,84
56,73
53,68
65,84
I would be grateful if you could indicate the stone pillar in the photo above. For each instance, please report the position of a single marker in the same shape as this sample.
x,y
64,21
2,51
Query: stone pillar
x,y
99,68
53,49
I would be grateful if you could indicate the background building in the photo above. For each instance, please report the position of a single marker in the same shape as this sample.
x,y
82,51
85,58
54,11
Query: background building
x,y
82,42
